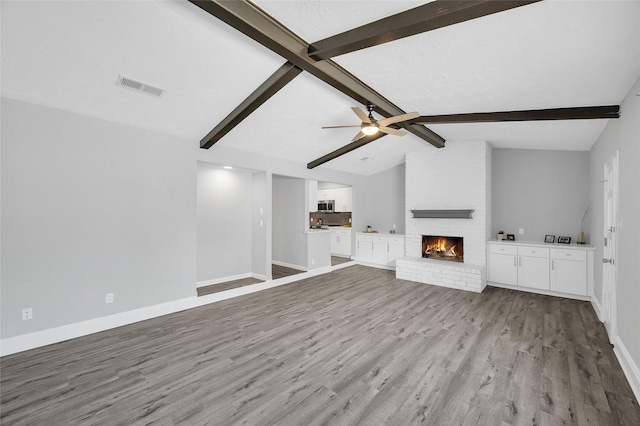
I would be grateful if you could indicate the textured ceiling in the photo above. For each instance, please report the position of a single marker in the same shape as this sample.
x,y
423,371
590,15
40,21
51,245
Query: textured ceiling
x,y
68,54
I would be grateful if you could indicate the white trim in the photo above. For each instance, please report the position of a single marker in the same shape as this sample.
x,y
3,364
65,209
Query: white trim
x,y
11,345
289,265
629,367
343,265
597,307
539,291
258,276
376,265
223,279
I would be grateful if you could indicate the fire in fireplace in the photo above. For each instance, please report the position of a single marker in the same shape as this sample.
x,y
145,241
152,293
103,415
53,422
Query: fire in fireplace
x,y
443,248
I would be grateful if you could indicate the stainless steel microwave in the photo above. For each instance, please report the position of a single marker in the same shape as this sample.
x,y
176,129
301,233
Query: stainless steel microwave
x,y
325,206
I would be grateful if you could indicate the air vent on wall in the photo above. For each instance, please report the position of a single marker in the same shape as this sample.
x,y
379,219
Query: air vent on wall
x,y
138,86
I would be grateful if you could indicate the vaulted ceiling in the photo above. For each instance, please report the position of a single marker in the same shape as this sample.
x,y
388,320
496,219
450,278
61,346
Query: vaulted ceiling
x,y
548,54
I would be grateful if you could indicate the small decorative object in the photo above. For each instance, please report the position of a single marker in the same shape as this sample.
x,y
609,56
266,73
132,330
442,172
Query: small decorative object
x,y
511,237
500,235
549,238
368,228
564,240
585,215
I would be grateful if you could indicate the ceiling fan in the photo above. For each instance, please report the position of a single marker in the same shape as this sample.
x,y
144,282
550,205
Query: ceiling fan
x,y
371,126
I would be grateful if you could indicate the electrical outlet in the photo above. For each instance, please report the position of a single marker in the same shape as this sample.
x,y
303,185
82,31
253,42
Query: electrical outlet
x,y
261,210
261,223
313,261
521,231
27,314
311,220
109,298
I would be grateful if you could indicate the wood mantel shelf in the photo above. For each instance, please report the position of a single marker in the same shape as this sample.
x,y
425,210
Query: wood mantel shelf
x,y
442,214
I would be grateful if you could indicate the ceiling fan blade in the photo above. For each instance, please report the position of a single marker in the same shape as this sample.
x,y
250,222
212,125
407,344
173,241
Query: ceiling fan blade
x,y
399,118
391,131
339,127
361,114
359,136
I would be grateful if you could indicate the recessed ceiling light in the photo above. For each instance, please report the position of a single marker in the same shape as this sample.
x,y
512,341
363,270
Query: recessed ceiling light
x,y
366,159
228,167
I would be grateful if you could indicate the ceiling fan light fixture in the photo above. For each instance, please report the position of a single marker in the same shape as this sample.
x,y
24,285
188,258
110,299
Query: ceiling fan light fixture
x,y
370,129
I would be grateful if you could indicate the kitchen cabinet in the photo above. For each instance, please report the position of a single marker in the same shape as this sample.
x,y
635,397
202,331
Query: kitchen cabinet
x,y
326,194
539,266
343,200
381,250
341,242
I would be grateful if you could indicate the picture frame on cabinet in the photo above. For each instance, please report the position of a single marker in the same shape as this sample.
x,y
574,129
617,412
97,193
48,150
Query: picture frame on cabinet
x,y
564,240
511,237
549,238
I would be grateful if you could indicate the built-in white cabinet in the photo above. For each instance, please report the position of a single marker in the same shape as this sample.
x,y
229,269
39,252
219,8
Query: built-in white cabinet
x,y
364,248
341,242
379,249
539,266
343,200
326,194
533,267
568,272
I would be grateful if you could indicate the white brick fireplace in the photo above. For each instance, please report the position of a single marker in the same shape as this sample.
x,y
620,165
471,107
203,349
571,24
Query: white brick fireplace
x,y
456,177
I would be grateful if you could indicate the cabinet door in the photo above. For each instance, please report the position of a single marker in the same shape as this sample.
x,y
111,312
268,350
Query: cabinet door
x,y
380,253
345,243
364,251
326,194
503,269
342,200
395,251
533,272
569,276
335,241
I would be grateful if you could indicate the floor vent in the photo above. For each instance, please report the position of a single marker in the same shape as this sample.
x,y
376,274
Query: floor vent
x,y
138,86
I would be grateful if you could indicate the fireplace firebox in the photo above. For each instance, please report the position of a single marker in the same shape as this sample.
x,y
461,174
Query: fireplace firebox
x,y
443,248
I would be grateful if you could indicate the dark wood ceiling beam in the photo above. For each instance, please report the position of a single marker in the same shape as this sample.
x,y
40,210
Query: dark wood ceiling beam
x,y
345,149
270,87
431,16
577,113
255,23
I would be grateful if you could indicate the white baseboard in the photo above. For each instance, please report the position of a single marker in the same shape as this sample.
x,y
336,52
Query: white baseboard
x,y
258,276
375,265
289,265
629,367
343,265
539,291
223,279
597,307
12,345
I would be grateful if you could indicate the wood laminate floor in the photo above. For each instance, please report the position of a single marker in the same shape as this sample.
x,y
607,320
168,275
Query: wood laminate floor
x,y
278,271
216,288
352,347
339,260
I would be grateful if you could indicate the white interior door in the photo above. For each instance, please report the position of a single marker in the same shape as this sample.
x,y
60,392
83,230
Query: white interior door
x,y
609,259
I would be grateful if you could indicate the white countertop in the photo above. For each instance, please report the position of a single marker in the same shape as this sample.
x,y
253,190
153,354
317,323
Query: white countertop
x,y
543,244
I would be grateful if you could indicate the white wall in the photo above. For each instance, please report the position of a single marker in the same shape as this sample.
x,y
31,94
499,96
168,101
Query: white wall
x,y
91,207
382,200
544,192
456,177
224,222
622,134
289,221
260,221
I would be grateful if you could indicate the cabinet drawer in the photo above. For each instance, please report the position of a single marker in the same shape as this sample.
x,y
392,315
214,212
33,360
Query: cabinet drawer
x,y
365,238
396,240
533,251
569,254
503,249
380,239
